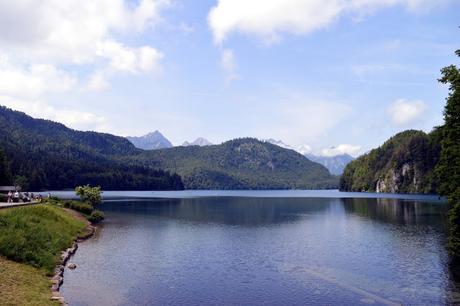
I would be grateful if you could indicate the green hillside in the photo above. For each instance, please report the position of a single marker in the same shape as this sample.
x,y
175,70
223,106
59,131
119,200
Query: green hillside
x,y
245,163
48,155
403,164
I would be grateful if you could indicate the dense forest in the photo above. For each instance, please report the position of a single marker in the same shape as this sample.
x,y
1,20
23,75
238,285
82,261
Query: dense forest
x,y
403,164
41,154
245,163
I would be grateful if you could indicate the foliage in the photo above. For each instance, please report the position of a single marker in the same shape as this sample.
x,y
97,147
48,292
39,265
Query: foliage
x,y
448,168
5,175
84,208
404,163
96,216
52,156
21,181
245,163
92,195
453,243
36,235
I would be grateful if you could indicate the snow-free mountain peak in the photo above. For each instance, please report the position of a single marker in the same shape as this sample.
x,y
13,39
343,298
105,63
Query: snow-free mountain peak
x,y
151,141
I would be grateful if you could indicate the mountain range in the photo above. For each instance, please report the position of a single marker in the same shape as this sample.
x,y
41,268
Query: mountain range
x,y
43,154
200,141
335,164
245,163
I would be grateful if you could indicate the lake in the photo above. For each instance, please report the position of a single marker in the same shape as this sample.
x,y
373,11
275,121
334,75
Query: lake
x,y
263,248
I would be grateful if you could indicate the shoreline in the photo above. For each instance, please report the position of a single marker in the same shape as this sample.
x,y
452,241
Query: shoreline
x,y
57,280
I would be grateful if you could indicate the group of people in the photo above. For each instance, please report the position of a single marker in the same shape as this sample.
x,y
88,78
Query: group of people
x,y
16,197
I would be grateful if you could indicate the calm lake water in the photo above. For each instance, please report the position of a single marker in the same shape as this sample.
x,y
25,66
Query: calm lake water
x,y
263,248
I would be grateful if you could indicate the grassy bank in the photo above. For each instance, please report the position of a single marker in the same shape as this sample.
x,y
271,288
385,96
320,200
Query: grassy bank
x,y
21,284
33,237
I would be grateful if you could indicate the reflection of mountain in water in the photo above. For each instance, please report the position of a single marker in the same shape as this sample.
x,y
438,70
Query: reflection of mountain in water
x,y
226,210
398,211
272,211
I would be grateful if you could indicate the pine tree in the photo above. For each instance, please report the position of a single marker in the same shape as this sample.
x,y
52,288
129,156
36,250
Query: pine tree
x,y
448,168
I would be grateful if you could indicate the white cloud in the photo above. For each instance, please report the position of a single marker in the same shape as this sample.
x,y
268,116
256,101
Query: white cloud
x,y
54,46
341,149
98,82
304,149
268,19
132,60
229,65
74,119
70,31
403,112
52,34
296,118
32,81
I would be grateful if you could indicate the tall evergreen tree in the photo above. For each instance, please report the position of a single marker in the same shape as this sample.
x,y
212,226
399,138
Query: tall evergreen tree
x,y
4,169
448,168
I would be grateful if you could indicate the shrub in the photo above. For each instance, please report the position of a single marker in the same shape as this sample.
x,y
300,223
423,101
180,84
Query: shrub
x,y
84,208
96,216
89,194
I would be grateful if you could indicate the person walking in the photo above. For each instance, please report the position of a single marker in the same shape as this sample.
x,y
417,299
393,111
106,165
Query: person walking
x,y
10,197
16,197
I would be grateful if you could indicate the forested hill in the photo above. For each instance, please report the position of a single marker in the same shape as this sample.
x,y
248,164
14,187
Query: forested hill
x,y
241,164
43,154
403,164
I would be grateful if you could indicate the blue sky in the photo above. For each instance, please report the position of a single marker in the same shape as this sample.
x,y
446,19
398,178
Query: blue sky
x,y
343,74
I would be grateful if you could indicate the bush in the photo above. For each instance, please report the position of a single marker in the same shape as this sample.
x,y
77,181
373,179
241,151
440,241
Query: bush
x,y
96,216
84,208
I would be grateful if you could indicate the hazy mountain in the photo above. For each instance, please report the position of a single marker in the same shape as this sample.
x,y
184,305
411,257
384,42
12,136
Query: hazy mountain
x,y
150,141
279,143
241,164
404,164
200,141
335,164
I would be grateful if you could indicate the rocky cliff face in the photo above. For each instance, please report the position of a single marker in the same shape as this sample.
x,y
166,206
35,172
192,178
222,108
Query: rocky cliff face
x,y
407,178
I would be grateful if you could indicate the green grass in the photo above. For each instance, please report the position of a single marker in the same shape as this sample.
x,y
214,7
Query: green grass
x,y
21,284
36,235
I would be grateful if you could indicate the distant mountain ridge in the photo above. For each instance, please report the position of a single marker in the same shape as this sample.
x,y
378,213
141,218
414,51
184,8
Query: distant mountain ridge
x,y
200,141
335,164
245,163
151,141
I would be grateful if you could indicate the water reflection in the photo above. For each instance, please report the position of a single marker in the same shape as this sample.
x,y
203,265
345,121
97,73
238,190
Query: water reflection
x,y
272,211
264,251
228,210
398,211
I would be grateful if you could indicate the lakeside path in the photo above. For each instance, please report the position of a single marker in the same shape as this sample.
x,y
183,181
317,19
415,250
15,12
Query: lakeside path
x,y
8,205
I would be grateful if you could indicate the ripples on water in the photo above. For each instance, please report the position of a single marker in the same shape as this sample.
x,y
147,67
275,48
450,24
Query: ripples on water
x,y
264,251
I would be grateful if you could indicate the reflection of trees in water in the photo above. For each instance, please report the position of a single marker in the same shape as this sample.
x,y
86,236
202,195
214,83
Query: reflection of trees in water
x,y
226,210
398,211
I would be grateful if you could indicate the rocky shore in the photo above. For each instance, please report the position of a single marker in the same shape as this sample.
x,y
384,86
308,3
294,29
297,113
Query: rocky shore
x,y
58,279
